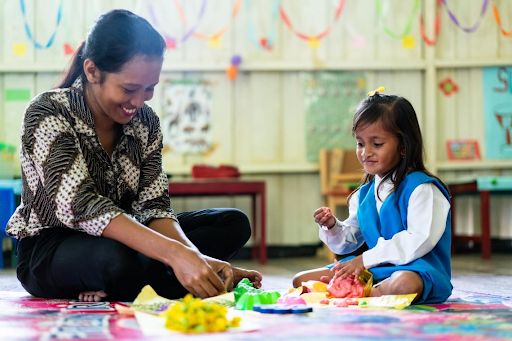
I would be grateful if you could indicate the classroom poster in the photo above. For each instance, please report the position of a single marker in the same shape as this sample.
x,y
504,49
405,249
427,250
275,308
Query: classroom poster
x,y
330,102
186,119
497,88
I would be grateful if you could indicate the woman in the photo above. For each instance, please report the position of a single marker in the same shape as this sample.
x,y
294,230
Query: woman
x,y
95,219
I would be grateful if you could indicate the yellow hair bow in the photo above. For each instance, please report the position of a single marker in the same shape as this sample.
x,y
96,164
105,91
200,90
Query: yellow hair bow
x,y
380,89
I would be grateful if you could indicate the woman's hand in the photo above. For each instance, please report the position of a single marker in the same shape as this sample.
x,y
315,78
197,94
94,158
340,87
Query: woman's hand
x,y
223,269
351,267
198,273
323,216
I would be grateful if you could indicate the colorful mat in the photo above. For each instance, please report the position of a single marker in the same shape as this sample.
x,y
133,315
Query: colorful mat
x,y
466,316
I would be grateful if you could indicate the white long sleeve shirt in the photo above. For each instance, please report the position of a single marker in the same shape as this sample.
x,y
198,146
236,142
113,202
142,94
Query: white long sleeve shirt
x,y
426,218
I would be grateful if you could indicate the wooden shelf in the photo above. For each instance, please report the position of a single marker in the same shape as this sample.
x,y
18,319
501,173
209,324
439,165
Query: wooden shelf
x,y
476,165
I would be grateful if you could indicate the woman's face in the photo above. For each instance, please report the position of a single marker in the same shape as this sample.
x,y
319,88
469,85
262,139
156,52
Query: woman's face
x,y
117,97
377,149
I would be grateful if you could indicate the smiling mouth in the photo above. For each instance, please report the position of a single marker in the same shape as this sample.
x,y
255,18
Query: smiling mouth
x,y
129,111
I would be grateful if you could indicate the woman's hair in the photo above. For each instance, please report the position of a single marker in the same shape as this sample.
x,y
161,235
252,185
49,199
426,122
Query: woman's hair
x,y
115,38
397,116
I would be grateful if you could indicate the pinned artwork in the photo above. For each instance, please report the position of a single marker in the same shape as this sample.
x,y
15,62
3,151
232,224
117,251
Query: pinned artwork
x,y
463,149
186,121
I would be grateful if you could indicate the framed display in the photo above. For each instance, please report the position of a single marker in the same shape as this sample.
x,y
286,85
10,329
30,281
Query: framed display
x,y
463,150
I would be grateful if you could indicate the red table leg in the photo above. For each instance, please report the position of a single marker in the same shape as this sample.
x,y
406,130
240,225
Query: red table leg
x,y
263,224
485,224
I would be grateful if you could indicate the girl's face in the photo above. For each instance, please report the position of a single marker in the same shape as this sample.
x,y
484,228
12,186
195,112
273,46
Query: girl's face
x,y
117,98
377,149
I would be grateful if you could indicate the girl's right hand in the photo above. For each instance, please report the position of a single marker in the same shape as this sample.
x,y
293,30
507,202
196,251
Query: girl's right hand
x,y
323,216
195,274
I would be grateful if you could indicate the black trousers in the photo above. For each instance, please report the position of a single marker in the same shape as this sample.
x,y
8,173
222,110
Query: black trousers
x,y
61,262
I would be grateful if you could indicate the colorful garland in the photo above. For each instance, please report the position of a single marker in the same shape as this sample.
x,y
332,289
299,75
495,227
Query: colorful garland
x,y
29,33
170,41
264,42
455,20
497,17
437,26
405,36
215,38
312,40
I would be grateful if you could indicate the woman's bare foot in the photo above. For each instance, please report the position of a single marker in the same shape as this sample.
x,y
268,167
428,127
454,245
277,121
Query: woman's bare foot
x,y
92,296
252,275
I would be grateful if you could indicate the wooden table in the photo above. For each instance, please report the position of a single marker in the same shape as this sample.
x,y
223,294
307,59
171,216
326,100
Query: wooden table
x,y
229,187
483,186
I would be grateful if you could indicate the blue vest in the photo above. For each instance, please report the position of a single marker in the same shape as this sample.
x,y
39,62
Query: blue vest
x,y
434,267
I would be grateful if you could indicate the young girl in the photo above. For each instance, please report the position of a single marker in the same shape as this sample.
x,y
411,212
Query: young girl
x,y
95,220
401,210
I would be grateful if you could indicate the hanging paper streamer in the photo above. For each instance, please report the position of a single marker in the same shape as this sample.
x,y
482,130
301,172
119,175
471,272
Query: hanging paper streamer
x,y
497,17
170,41
408,40
29,33
312,40
214,40
437,26
265,42
455,20
448,87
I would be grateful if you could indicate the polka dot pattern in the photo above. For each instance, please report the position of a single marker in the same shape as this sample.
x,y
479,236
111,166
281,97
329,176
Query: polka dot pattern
x,y
70,181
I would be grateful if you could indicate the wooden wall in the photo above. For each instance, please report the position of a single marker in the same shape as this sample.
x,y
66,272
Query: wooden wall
x,y
258,120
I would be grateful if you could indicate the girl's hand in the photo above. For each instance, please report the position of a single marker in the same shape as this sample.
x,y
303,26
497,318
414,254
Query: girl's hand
x,y
323,216
351,267
199,274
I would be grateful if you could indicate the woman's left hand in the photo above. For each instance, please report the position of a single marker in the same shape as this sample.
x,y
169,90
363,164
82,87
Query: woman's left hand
x,y
350,267
223,269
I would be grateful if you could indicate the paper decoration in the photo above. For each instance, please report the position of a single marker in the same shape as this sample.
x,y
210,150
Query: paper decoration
x,y
330,102
19,49
448,86
497,17
408,42
186,121
214,39
28,30
437,26
232,70
455,20
17,95
265,42
404,36
313,41
171,41
68,49
497,88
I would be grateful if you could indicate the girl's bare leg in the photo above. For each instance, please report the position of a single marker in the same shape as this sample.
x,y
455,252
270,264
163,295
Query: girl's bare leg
x,y
400,283
319,274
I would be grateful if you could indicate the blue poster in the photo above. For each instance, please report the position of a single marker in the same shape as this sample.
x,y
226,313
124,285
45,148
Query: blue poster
x,y
497,88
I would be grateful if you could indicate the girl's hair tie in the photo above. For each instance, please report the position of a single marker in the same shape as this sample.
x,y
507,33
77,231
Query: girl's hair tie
x,y
380,89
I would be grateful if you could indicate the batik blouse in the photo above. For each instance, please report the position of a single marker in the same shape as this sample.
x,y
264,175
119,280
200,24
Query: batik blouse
x,y
70,181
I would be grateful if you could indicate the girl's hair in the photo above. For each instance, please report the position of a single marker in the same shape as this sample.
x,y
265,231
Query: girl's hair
x,y
397,116
115,38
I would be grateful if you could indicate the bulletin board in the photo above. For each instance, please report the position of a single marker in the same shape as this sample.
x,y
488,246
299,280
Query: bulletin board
x,y
497,88
330,102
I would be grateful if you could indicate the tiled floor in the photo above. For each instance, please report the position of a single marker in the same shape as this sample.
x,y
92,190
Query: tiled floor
x,y
470,273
